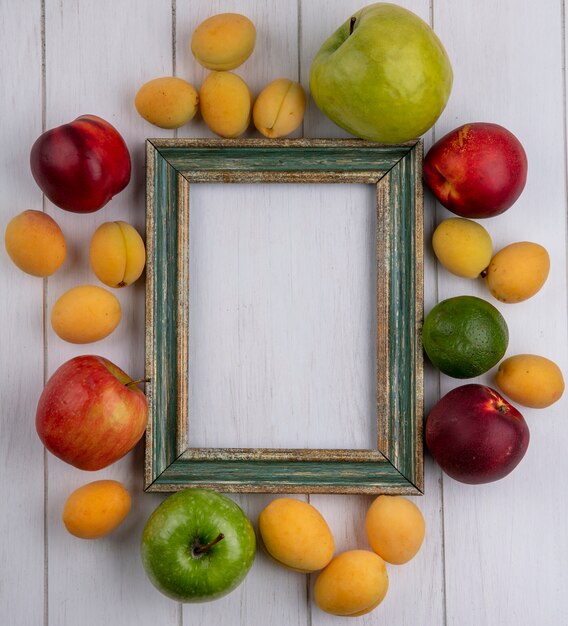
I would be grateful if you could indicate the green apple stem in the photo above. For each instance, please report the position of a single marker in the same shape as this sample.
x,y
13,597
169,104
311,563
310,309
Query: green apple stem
x,y
352,25
199,549
137,382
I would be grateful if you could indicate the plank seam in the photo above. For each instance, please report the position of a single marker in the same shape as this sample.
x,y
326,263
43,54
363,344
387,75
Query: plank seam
x,y
174,48
175,134
44,332
565,121
438,390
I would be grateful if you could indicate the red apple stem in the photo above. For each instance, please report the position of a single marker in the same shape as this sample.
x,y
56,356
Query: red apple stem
x,y
137,382
202,549
352,24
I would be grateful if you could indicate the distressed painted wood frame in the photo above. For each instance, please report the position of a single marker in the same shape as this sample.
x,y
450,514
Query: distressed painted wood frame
x,y
396,465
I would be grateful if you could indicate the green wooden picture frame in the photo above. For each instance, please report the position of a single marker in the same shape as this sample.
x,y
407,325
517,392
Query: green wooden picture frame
x,y
396,464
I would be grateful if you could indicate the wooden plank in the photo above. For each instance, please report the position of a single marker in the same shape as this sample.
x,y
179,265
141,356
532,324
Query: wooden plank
x,y
98,55
416,592
21,330
269,595
506,541
276,247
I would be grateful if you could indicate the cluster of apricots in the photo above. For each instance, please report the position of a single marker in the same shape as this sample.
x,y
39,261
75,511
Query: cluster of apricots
x,y
222,43
296,536
36,244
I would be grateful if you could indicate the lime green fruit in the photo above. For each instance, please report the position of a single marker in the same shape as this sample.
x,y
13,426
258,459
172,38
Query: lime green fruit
x,y
465,336
383,75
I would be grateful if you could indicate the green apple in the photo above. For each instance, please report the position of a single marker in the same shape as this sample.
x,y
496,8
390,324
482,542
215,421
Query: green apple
x,y
197,546
384,75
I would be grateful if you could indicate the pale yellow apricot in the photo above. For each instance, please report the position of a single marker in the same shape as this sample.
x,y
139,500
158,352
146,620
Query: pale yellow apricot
x,y
279,108
518,271
395,528
353,584
462,246
35,243
96,509
117,254
225,102
167,102
223,41
85,314
530,380
295,535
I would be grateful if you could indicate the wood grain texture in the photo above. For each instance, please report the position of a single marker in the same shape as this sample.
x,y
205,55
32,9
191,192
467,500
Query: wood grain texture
x,y
269,595
515,527
21,328
292,299
97,55
423,576
162,347
398,294
400,393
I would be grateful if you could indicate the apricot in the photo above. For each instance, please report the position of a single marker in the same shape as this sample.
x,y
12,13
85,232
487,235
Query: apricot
x,y
395,528
279,108
167,102
225,102
85,314
462,246
518,271
96,509
295,535
224,41
530,380
35,243
117,254
354,583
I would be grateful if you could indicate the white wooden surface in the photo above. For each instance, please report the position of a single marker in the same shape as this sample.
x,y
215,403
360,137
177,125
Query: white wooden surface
x,y
296,266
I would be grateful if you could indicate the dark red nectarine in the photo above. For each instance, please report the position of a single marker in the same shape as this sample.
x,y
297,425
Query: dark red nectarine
x,y
475,435
80,166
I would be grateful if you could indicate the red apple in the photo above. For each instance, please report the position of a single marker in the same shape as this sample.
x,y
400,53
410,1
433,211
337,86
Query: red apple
x,y
80,166
477,170
90,413
475,435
